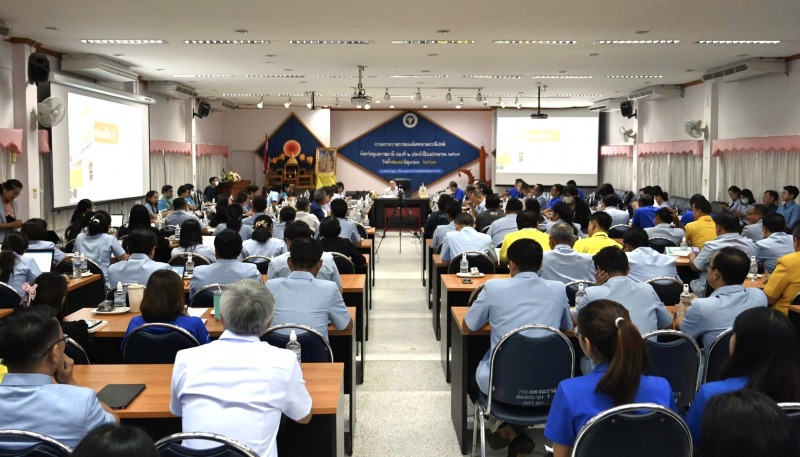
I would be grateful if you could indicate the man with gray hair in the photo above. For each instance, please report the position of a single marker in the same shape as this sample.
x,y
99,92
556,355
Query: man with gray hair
x,y
563,263
320,200
239,386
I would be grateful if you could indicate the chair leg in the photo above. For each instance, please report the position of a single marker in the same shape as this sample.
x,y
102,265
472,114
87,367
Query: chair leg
x,y
474,431
483,434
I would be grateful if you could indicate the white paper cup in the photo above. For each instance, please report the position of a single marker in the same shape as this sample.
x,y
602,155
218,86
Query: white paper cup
x,y
135,294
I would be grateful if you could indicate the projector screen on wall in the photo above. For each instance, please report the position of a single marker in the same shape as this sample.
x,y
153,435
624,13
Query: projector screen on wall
x,y
548,151
101,148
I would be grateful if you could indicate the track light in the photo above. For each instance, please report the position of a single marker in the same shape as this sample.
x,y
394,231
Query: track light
x,y
337,102
288,103
312,103
460,103
367,106
260,104
418,96
386,95
449,96
485,102
501,103
516,102
479,97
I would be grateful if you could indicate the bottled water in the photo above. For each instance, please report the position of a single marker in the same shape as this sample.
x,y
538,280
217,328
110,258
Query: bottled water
x,y
189,267
753,274
76,265
119,296
159,221
84,264
464,264
580,295
366,220
178,231
683,243
293,345
686,296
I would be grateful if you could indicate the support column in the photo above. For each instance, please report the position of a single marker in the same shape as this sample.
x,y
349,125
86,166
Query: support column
x,y
711,119
637,127
191,137
26,168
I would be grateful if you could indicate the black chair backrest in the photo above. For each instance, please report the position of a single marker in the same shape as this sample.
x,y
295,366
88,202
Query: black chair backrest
x,y
668,289
572,288
796,299
343,264
313,346
22,443
171,446
617,231
204,298
475,259
261,262
53,237
637,429
65,267
156,343
180,259
362,231
793,411
520,357
69,246
659,243
475,294
76,352
9,298
676,357
717,355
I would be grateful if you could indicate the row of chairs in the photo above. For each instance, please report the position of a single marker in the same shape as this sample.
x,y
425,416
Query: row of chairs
x,y
37,445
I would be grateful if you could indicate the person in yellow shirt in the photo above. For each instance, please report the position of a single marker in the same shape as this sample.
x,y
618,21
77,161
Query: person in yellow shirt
x,y
784,282
3,371
527,222
703,228
599,223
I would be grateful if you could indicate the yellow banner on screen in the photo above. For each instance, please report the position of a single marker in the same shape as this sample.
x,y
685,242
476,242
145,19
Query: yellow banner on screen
x,y
543,135
106,133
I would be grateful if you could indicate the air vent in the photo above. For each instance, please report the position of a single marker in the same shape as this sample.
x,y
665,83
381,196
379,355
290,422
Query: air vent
x,y
171,90
751,68
655,92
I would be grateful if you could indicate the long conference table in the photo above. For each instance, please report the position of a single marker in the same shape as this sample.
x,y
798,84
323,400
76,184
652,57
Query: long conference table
x,y
323,436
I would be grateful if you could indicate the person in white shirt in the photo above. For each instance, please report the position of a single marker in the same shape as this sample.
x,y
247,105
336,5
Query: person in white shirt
x,y
610,204
644,262
451,210
663,218
466,238
339,191
392,190
239,386
562,263
754,215
303,206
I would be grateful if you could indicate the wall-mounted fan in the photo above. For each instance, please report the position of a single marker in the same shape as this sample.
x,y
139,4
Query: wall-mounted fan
x,y
48,113
627,134
695,129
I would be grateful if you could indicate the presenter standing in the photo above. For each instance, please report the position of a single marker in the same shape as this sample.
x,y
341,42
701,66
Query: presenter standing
x,y
392,190
8,212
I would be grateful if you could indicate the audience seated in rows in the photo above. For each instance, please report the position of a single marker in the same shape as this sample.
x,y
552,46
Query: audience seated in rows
x,y
452,210
79,219
527,228
788,208
466,238
139,219
140,264
663,219
610,204
555,195
262,243
537,194
561,213
563,263
221,211
645,262
165,200
286,215
191,240
32,347
259,209
181,214
303,206
727,230
506,224
771,200
765,356
163,302
208,379
438,217
784,282
645,214
227,269
775,243
581,213
16,270
348,228
36,231
234,222
490,214
599,223
703,229
754,217
300,298
608,336
98,245
332,240
279,266
51,290
708,317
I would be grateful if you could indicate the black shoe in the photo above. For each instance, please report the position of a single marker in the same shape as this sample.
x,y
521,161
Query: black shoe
x,y
521,444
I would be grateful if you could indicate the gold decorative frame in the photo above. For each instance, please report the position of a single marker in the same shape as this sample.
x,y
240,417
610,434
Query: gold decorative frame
x,y
326,160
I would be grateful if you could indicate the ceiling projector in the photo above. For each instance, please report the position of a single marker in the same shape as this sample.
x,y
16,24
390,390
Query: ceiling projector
x,y
539,116
360,98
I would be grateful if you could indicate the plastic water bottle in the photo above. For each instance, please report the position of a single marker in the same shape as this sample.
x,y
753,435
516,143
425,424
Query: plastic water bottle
x,y
159,221
178,231
366,220
753,273
684,244
84,264
463,266
580,295
76,265
686,296
119,296
189,267
293,345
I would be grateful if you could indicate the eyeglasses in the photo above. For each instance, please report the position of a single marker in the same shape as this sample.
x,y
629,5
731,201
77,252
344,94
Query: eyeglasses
x,y
577,333
712,267
60,340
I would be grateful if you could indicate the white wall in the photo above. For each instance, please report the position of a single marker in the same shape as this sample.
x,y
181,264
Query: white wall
x,y
662,120
167,119
6,90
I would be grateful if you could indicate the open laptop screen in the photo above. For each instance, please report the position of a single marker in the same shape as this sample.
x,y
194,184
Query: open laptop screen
x,y
117,220
42,257
208,240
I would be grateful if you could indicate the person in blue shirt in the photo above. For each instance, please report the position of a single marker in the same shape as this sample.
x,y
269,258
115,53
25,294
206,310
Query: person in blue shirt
x,y
316,205
451,211
16,270
765,356
163,302
770,200
458,194
36,231
775,244
645,214
234,222
165,200
555,195
259,208
789,209
181,213
227,269
98,245
609,338
516,191
140,264
572,183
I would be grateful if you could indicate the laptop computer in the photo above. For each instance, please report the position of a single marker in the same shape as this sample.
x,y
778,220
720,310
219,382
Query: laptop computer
x,y
208,240
177,269
117,220
42,257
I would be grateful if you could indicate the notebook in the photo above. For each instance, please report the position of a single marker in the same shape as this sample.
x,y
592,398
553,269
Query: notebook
x,y
42,257
208,240
117,220
119,396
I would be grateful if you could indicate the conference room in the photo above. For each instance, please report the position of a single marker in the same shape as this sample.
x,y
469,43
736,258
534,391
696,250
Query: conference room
x,y
110,102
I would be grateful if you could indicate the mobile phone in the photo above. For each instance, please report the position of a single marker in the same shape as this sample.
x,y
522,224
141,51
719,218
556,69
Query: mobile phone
x,y
466,281
92,322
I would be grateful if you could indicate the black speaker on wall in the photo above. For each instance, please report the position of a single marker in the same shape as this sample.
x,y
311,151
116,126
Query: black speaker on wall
x,y
626,108
38,68
203,110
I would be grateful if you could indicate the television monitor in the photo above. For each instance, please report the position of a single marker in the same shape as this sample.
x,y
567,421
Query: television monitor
x,y
405,184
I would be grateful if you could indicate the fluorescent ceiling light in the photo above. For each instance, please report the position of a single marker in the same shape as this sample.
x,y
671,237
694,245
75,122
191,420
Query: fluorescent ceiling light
x,y
561,77
330,42
418,76
104,41
292,76
202,76
534,42
574,96
342,76
738,42
492,76
248,94
634,76
227,41
433,42
637,42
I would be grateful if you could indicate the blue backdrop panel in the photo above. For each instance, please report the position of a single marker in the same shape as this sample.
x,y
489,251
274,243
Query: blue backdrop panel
x,y
410,146
293,129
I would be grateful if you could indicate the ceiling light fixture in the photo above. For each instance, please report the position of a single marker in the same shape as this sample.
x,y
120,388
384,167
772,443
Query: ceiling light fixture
x,y
288,103
260,105
558,42
282,76
449,96
337,102
102,41
330,42
215,42
391,106
501,103
386,95
637,41
479,97
417,76
634,76
367,106
492,76
460,103
413,42
561,77
738,42
418,96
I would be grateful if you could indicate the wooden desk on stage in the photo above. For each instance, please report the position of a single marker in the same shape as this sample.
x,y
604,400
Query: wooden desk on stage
x,y
151,408
418,211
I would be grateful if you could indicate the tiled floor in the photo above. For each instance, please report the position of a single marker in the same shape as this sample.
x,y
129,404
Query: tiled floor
x,y
404,403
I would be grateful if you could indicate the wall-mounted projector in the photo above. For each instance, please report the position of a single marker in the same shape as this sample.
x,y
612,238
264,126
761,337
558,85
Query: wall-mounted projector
x,y
539,116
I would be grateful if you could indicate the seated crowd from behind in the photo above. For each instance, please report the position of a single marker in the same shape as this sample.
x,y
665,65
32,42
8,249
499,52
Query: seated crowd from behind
x,y
279,266
667,225
234,222
140,264
51,290
645,262
97,245
191,241
303,214
347,228
227,269
504,225
452,209
332,240
16,270
599,223
182,214
775,242
36,231
527,228
562,263
262,243
466,238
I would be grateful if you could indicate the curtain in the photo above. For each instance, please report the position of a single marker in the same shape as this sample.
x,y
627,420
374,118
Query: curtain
x,y
208,166
617,171
5,162
758,171
169,168
679,175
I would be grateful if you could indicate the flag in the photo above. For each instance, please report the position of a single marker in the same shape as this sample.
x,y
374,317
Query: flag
x,y
266,155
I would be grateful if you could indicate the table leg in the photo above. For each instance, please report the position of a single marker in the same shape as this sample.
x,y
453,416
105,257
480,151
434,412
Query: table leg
x,y
458,389
344,351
